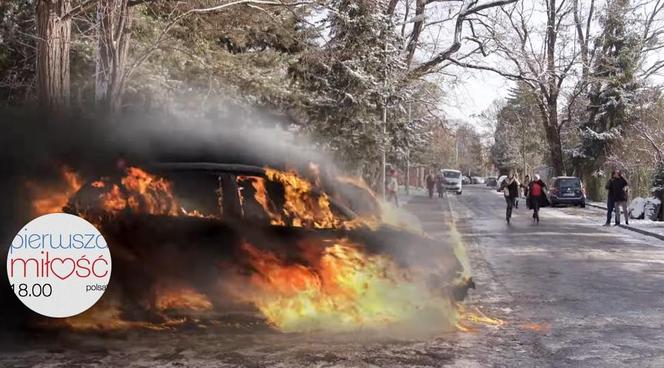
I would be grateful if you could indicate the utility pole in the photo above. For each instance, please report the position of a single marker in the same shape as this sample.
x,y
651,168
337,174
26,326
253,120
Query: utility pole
x,y
410,105
383,159
456,151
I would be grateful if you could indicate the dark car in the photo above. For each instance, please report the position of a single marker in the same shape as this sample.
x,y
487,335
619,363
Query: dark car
x,y
198,224
491,181
567,190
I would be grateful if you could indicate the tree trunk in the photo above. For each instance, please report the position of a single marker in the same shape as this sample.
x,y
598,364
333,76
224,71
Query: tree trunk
x,y
391,6
53,43
550,124
551,97
417,29
113,22
555,145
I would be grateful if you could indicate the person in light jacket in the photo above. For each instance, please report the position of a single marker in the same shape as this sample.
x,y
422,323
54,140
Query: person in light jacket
x,y
391,187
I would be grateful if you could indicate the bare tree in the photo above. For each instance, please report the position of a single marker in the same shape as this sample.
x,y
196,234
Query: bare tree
x,y
457,15
542,60
649,15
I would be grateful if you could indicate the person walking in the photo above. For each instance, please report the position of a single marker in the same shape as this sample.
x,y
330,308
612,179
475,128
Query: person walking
x,y
510,188
392,186
431,182
617,188
439,185
537,196
525,186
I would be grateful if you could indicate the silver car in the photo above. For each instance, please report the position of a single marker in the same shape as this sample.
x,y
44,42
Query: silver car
x,y
452,180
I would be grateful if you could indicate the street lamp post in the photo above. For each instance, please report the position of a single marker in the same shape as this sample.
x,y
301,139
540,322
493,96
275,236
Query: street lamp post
x,y
410,103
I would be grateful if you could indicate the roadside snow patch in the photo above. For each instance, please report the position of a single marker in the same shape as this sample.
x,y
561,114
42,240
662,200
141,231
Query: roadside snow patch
x,y
652,208
637,208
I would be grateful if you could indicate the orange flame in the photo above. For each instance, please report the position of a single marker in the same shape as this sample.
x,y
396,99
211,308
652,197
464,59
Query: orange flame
x,y
106,316
142,192
470,318
340,288
184,298
261,197
52,199
302,206
149,194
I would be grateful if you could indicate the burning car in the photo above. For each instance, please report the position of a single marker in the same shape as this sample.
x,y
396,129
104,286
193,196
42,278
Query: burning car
x,y
194,240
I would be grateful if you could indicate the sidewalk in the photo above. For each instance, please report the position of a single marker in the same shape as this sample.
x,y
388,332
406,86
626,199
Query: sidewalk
x,y
645,227
413,191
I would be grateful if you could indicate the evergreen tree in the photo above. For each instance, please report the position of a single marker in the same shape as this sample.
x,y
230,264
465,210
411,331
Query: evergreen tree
x,y
518,137
345,85
614,84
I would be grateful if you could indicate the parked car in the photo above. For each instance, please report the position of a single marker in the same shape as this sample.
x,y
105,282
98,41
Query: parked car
x,y
567,190
500,179
452,180
477,180
491,181
466,180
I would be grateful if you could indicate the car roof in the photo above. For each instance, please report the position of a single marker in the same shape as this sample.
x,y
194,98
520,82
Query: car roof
x,y
452,170
209,166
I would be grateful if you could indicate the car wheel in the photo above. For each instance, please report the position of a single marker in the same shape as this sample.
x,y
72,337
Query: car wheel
x,y
459,193
583,205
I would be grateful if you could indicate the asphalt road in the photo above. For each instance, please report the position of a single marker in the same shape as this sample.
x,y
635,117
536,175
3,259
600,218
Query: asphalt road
x,y
570,293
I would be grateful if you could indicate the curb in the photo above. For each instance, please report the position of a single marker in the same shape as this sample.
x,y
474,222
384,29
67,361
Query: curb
x,y
641,231
596,206
628,227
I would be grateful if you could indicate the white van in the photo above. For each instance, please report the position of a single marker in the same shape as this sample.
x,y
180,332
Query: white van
x,y
452,180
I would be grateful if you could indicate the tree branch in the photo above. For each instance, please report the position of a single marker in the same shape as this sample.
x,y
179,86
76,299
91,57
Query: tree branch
x,y
469,7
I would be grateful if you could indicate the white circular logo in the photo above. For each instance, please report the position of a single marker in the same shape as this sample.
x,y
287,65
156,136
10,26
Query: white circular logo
x,y
59,265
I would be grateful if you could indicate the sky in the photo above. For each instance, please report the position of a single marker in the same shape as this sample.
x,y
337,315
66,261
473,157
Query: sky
x,y
473,93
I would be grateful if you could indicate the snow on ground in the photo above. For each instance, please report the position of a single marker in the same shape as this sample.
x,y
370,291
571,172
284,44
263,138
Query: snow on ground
x,y
656,227
595,215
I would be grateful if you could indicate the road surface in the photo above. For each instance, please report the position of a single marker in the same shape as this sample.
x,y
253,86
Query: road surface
x,y
570,293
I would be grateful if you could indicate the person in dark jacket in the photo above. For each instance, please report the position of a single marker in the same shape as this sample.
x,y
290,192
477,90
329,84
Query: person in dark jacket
x,y
431,182
537,196
510,188
439,185
617,187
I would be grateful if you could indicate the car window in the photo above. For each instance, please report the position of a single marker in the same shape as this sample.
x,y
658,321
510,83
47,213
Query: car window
x,y
198,194
261,200
141,192
568,183
451,174
277,203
